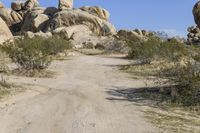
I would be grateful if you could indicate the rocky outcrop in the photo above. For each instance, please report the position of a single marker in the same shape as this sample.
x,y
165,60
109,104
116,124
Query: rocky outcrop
x,y
10,17
5,33
194,31
65,4
193,35
76,17
83,27
136,34
31,20
97,11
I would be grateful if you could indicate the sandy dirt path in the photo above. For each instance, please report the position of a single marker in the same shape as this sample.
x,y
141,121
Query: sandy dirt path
x,y
75,100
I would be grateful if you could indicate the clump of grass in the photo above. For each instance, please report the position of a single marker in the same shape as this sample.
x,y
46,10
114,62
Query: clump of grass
x,y
5,88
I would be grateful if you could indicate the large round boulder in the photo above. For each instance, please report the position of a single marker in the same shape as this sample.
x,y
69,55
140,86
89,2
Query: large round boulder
x,y
5,33
68,18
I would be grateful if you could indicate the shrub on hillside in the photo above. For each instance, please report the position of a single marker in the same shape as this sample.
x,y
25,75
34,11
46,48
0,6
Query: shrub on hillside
x,y
34,53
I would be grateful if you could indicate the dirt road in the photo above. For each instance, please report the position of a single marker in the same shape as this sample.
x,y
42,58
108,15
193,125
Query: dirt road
x,y
76,100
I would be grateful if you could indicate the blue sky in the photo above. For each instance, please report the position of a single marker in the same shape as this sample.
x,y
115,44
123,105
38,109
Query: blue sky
x,y
172,16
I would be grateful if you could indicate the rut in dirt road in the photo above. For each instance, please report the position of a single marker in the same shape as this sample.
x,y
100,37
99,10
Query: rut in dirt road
x,y
76,101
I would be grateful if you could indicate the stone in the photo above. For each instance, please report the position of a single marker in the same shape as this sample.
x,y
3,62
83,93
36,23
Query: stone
x,y
30,4
29,19
69,32
65,4
50,11
196,13
30,34
10,17
97,11
1,5
5,33
16,6
39,23
68,18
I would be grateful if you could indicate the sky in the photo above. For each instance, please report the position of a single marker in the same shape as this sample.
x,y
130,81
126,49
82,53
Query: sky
x,y
171,16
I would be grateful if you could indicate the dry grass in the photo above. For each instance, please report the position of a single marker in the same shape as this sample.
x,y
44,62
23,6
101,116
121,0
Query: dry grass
x,y
174,120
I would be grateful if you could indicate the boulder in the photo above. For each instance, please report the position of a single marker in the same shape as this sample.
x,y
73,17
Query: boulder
x,y
65,4
50,11
39,22
10,17
68,18
5,33
29,19
97,11
30,4
30,34
69,32
16,6
1,5
196,13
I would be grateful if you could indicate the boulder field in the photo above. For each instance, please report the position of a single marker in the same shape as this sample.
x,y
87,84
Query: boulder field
x,y
78,25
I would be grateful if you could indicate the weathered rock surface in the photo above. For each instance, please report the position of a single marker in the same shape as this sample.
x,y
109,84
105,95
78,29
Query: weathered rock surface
x,y
30,34
10,17
196,13
16,6
84,27
65,4
194,31
1,5
76,17
97,11
136,34
5,33
29,20
29,4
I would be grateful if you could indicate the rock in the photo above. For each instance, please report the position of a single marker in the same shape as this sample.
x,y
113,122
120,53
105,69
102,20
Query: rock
x,y
69,32
65,4
16,6
39,22
50,11
30,4
76,17
196,13
29,19
1,5
30,34
97,11
5,33
10,17
130,34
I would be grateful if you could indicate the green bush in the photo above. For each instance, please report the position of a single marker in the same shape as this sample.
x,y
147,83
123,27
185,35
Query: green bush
x,y
34,53
156,49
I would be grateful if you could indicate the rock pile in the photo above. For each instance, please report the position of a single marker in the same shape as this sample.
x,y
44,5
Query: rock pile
x,y
136,34
194,31
78,25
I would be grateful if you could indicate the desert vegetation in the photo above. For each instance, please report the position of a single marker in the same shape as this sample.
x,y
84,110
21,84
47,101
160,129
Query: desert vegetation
x,y
33,55
171,60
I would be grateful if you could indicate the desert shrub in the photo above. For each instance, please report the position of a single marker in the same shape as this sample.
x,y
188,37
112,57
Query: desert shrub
x,y
55,45
34,53
156,49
